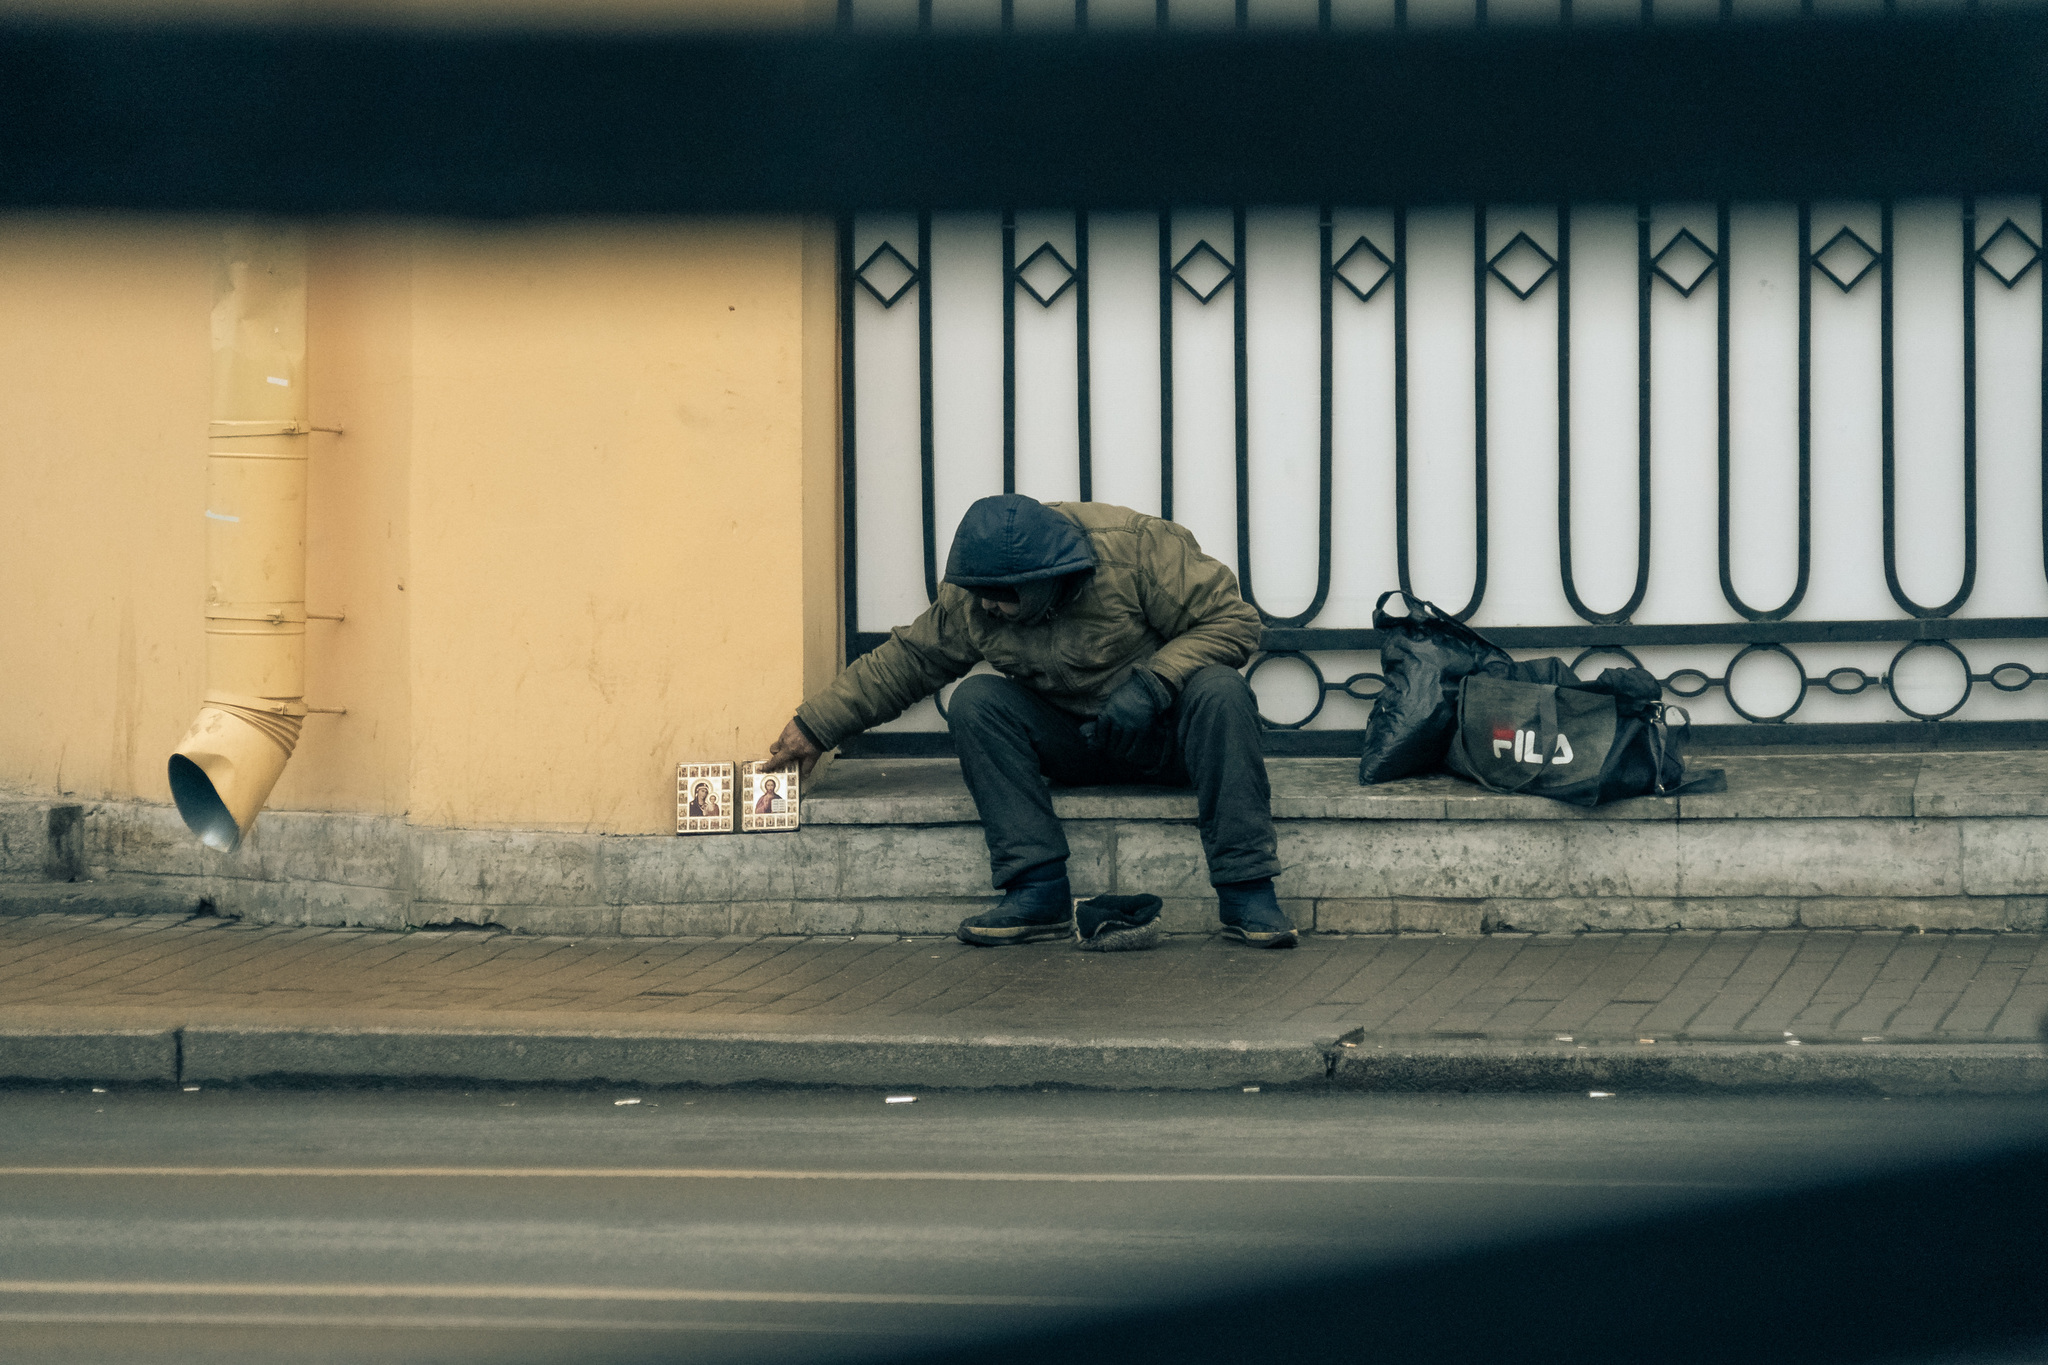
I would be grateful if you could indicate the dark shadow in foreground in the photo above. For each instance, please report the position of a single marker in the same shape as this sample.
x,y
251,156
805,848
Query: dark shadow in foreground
x,y
1935,1262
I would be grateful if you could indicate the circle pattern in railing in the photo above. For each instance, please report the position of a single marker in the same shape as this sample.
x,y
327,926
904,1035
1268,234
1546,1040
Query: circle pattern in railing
x,y
1689,683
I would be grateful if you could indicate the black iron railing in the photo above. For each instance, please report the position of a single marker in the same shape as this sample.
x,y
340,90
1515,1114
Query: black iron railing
x,y
1374,273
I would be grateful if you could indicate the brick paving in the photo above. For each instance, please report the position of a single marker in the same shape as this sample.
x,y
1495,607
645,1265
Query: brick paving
x,y
1819,985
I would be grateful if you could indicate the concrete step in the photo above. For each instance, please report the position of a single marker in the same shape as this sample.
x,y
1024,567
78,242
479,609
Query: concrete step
x,y
125,896
1882,840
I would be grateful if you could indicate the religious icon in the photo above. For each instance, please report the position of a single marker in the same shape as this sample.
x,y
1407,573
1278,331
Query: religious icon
x,y
769,798
704,798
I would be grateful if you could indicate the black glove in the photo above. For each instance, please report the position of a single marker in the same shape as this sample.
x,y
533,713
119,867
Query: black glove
x,y
1128,719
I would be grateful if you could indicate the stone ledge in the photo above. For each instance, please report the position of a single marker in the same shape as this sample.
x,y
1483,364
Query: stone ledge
x,y
126,896
1812,840
928,791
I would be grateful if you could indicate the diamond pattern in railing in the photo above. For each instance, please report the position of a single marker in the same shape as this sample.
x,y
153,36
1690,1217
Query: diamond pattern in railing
x,y
1055,275
893,272
1204,262
2009,253
1689,261
1522,258
1366,254
1849,252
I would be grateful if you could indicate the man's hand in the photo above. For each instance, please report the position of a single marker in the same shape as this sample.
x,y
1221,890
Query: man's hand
x,y
793,747
1124,727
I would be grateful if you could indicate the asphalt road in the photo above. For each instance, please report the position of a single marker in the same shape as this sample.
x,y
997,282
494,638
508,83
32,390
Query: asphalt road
x,y
233,1226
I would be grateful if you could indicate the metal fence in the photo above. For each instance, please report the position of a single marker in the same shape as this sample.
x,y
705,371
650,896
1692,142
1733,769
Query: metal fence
x,y
1917,656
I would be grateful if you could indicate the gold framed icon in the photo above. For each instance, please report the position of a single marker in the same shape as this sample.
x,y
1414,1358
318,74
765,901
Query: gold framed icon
x,y
768,800
704,803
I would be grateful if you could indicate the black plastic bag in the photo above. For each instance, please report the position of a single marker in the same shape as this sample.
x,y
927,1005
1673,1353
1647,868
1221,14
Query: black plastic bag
x,y
1424,656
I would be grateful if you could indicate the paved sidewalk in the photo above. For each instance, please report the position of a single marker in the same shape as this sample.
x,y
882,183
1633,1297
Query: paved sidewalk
x,y
164,997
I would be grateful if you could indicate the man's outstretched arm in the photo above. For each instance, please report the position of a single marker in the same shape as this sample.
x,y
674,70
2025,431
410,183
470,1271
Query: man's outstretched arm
x,y
914,662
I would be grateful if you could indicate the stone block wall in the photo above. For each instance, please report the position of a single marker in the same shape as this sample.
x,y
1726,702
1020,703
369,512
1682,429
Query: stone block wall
x,y
891,847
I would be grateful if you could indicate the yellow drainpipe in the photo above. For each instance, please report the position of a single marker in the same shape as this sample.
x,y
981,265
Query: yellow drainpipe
x,y
223,770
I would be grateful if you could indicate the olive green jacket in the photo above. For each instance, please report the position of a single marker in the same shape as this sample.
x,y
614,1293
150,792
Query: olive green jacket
x,y
1155,601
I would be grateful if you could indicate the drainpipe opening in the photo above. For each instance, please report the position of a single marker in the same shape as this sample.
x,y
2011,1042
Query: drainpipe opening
x,y
229,760
201,805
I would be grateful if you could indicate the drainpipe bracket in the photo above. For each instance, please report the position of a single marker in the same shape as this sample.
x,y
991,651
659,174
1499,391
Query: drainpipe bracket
x,y
276,706
267,613
223,430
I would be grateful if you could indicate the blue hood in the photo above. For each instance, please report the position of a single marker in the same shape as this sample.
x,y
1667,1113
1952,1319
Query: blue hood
x,y
1010,539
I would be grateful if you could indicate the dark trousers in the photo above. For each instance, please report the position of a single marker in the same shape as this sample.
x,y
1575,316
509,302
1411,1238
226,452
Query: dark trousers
x,y
1011,741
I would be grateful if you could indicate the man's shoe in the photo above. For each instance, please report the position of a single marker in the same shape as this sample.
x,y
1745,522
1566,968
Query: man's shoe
x,y
1116,924
1251,914
1025,912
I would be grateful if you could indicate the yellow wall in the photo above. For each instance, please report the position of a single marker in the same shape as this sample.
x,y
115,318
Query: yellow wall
x,y
607,488
103,412
583,518
358,525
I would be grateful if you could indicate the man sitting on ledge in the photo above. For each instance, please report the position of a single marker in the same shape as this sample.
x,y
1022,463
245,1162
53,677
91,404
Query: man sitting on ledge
x,y
1117,644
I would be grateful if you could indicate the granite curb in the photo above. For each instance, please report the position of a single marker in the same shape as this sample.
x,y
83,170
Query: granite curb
x,y
121,1051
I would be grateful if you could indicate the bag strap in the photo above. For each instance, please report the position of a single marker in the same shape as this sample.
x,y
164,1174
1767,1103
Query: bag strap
x,y
1430,612
1659,728
1664,710
1658,733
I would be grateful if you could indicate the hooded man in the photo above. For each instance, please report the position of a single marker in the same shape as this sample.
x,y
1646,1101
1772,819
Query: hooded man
x,y
1116,643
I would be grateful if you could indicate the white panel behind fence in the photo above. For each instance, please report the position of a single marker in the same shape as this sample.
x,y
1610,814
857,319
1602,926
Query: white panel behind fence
x,y
1403,292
